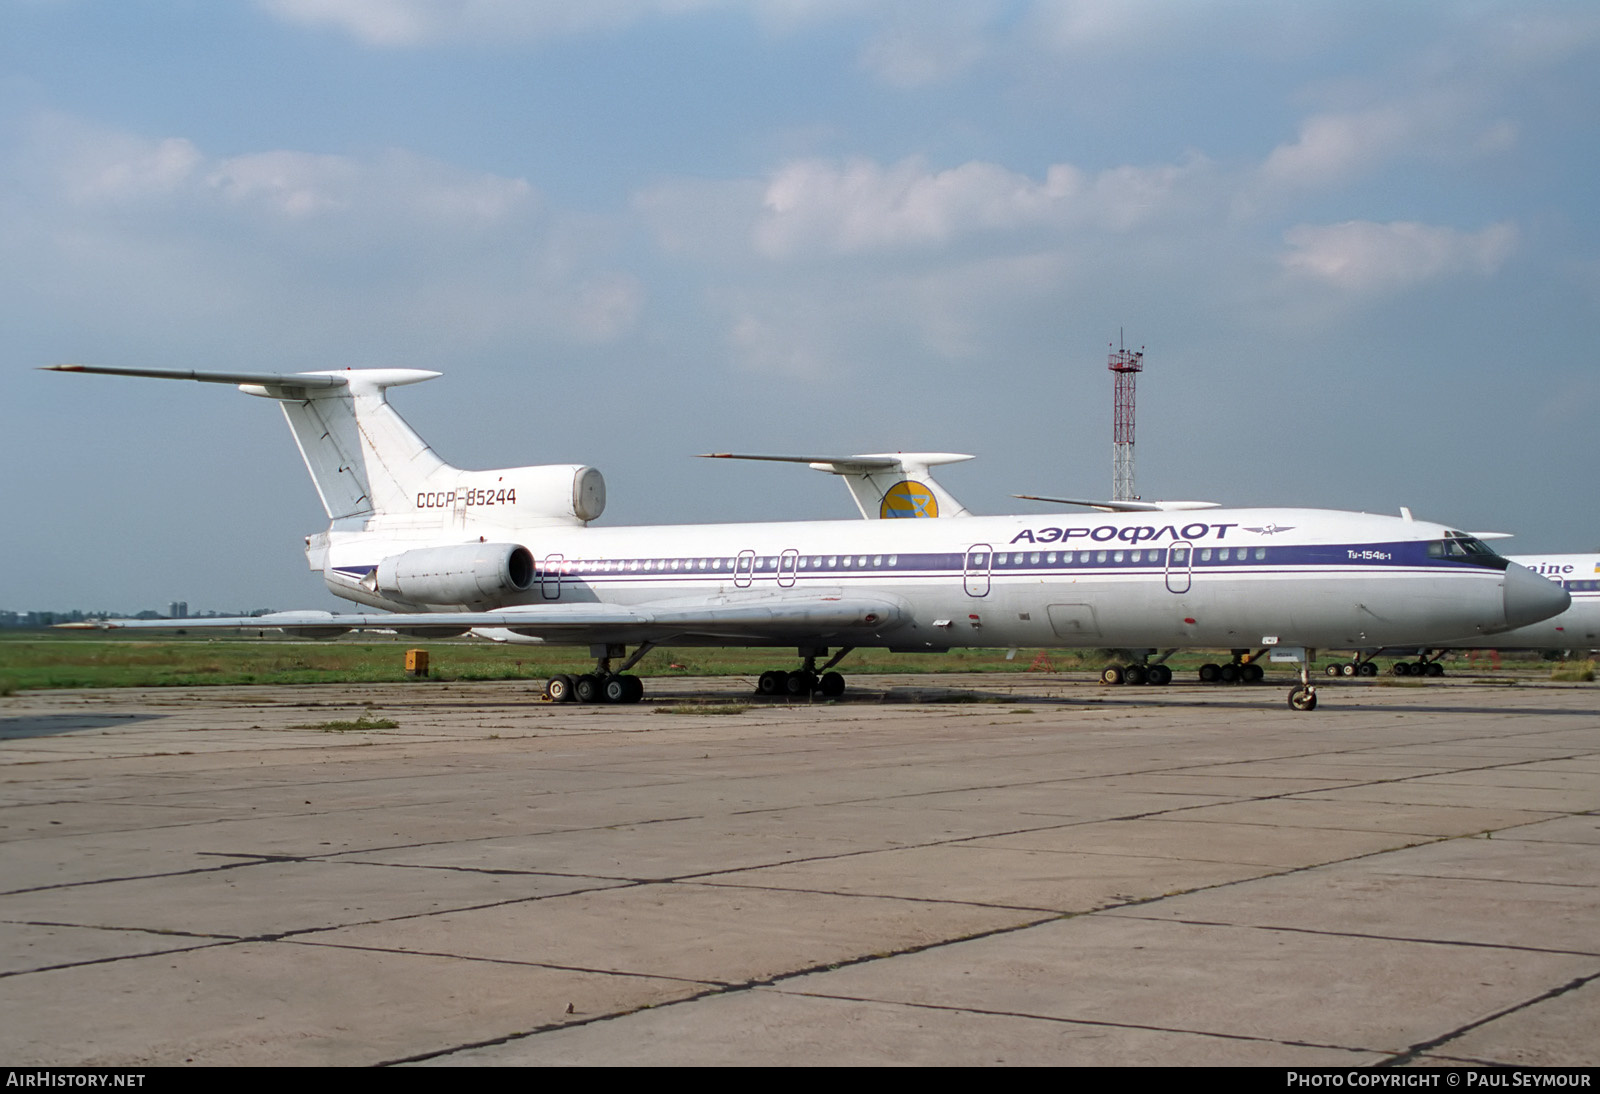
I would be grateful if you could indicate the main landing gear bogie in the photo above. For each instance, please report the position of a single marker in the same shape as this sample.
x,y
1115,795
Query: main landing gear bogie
x,y
808,680
603,685
1234,672
594,688
773,682
1154,674
1417,668
1351,668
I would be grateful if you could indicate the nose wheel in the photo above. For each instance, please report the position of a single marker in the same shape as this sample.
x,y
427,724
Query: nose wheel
x,y
1303,696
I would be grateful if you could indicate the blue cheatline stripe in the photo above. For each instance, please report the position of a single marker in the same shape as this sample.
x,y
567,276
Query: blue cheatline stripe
x,y
1410,557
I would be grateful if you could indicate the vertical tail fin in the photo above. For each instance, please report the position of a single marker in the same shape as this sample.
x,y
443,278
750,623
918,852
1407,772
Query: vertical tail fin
x,y
363,457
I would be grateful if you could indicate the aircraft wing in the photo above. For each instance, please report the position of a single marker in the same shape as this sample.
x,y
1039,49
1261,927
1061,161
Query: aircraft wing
x,y
778,619
1126,506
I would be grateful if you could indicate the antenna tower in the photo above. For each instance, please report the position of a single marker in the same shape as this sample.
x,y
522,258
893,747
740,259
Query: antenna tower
x,y
1125,365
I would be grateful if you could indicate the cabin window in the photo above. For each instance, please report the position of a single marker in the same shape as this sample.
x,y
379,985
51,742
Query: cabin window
x,y
1100,556
877,560
1205,554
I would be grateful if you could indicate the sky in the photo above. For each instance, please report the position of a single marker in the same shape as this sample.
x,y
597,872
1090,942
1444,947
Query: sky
x,y
1359,243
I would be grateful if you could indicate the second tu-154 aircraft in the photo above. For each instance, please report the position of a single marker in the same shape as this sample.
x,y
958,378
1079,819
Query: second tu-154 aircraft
x,y
510,553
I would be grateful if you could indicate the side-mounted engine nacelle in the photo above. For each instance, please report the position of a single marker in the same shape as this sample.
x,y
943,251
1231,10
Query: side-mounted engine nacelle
x,y
473,575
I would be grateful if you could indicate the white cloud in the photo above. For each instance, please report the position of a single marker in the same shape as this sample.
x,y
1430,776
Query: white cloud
x,y
861,206
1363,256
928,43
421,250
96,167
1334,148
295,184
404,23
301,184
1079,25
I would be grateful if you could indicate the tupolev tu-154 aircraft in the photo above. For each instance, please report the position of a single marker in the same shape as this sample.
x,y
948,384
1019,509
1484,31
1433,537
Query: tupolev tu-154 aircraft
x,y
510,553
901,484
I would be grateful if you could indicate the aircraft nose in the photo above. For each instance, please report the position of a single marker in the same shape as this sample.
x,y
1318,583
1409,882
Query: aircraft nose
x,y
1530,598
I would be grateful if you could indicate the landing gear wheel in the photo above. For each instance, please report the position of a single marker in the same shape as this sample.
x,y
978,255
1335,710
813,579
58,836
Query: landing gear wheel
x,y
1435,669
1210,674
1401,668
586,689
1135,674
831,685
800,683
559,689
622,689
1252,673
1302,697
1111,674
1368,669
1159,675
1332,669
1228,674
1349,668
772,682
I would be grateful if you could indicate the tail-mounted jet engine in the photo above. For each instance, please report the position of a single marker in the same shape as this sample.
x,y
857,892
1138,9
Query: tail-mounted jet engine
x,y
469,575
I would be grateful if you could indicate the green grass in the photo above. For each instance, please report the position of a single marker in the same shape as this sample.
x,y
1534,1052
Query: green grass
x,y
1574,672
706,708
90,659
98,659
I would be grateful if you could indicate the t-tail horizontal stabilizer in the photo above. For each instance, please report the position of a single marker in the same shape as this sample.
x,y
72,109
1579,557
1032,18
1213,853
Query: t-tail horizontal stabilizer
x,y
885,485
372,471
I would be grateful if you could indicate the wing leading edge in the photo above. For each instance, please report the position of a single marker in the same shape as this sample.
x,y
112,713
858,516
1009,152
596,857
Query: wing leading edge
x,y
774,619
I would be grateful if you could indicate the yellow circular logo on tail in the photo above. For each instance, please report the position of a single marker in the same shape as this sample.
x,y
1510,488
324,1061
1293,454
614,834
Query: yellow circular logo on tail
x,y
908,499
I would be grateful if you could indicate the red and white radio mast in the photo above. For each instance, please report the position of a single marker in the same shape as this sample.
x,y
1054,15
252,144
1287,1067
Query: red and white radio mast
x,y
1126,366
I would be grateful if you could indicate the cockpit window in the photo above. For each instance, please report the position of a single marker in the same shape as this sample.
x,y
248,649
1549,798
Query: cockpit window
x,y
1460,547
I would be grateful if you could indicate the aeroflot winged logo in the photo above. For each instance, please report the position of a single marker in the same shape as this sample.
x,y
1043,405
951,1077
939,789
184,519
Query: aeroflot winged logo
x,y
1270,529
908,499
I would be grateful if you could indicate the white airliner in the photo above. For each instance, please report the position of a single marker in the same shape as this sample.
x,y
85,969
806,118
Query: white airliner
x,y
510,553
1577,628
